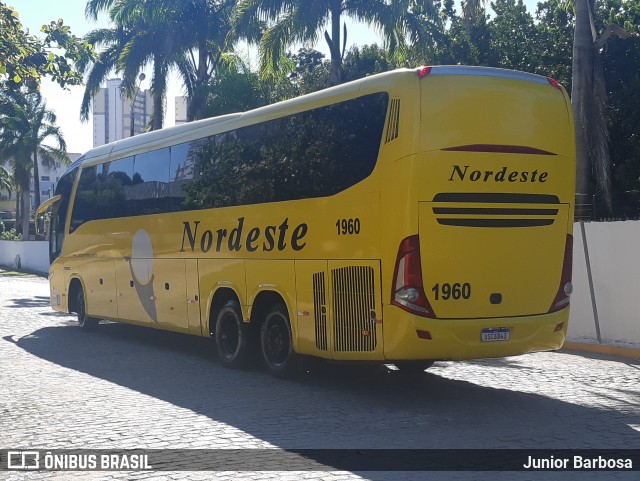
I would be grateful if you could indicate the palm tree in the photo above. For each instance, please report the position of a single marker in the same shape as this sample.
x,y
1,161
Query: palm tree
x,y
140,37
589,103
471,11
189,35
303,21
26,125
207,37
114,40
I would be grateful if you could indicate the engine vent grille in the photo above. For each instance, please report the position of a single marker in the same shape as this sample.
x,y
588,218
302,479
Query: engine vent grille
x,y
320,310
393,126
354,309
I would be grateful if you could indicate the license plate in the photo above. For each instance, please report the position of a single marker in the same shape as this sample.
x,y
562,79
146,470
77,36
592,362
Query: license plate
x,y
495,335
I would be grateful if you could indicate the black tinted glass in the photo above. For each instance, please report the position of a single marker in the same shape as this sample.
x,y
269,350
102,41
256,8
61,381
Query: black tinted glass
x,y
315,153
84,205
148,190
310,154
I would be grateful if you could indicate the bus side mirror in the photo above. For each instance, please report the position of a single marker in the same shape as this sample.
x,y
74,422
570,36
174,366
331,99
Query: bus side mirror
x,y
39,217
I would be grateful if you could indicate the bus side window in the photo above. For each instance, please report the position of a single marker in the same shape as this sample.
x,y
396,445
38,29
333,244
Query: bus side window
x,y
117,179
84,205
316,153
148,191
59,214
181,171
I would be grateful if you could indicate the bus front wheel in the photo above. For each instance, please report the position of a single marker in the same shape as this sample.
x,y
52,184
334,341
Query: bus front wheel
x,y
276,342
84,320
231,336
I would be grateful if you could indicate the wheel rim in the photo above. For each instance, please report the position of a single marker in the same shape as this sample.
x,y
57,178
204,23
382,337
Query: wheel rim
x,y
229,337
277,341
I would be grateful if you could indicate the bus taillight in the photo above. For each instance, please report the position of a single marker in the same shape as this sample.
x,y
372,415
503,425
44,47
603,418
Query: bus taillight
x,y
565,288
424,71
554,83
408,293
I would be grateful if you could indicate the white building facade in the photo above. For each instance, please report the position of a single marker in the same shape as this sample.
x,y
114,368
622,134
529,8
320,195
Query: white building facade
x,y
114,114
49,177
182,104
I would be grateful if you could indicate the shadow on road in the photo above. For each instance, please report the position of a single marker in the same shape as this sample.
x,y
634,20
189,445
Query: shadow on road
x,y
344,407
35,301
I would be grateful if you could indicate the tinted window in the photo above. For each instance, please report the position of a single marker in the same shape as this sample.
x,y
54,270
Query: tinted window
x,y
84,205
315,153
181,171
59,214
101,192
148,190
116,178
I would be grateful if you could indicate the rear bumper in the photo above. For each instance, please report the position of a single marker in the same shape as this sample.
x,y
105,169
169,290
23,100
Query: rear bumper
x,y
459,339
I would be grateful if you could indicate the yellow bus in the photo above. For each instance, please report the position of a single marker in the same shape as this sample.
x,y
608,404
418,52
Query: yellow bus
x,y
411,216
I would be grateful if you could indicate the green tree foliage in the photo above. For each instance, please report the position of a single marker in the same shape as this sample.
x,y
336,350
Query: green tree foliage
x,y
621,63
25,58
399,21
9,234
191,36
555,41
367,60
464,40
235,88
25,124
6,183
513,36
138,38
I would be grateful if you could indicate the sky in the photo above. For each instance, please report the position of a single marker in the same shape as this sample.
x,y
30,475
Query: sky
x,y
66,103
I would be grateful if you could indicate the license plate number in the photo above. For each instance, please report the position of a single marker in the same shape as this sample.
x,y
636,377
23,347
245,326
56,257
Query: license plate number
x,y
495,335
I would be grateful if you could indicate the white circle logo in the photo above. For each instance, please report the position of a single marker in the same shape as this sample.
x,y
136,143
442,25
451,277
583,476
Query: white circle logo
x,y
142,256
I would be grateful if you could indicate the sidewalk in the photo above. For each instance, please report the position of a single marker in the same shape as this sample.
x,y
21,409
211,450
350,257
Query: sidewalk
x,y
588,345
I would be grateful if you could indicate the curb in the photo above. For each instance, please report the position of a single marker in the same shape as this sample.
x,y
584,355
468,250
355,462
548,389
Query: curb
x,y
627,352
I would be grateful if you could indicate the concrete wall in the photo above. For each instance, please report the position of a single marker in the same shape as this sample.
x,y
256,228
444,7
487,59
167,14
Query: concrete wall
x,y
614,299
34,255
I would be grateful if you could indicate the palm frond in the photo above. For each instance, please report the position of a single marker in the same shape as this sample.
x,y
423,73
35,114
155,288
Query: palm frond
x,y
94,7
107,61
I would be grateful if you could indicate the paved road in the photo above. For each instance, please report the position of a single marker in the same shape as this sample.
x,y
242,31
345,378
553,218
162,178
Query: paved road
x,y
127,387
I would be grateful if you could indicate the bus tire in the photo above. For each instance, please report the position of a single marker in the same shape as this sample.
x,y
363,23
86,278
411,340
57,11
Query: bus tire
x,y
84,320
231,336
276,341
413,367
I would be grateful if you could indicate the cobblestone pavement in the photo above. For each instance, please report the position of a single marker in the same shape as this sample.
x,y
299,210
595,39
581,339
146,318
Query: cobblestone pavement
x,y
125,387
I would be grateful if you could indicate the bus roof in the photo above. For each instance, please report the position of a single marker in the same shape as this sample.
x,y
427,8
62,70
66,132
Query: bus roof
x,y
200,128
162,137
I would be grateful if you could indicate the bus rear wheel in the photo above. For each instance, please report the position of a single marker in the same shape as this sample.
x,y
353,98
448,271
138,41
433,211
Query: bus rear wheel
x,y
231,336
276,341
84,320
413,367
